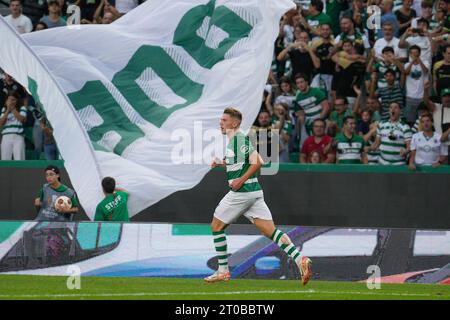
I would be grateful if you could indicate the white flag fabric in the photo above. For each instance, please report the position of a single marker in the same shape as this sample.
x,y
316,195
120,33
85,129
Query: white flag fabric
x,y
114,94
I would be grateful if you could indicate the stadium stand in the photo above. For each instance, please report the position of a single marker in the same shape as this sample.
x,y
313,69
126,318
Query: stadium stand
x,y
359,60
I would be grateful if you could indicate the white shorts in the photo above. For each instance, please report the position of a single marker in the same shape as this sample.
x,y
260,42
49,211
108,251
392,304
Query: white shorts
x,y
249,204
13,147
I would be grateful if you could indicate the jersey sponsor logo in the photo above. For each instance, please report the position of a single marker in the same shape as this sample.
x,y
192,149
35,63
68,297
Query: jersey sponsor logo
x,y
310,101
230,153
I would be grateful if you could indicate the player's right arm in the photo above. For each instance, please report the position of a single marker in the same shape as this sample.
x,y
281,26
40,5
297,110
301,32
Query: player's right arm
x,y
216,162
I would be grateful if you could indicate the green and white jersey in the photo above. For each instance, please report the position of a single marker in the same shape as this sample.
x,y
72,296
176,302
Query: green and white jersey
x,y
12,125
287,126
394,136
349,150
310,102
237,160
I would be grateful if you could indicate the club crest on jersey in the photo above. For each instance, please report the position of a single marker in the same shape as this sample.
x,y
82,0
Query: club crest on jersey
x,y
245,149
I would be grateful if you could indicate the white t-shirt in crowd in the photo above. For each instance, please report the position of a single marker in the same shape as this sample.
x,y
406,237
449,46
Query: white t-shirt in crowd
x,y
415,80
22,23
125,6
427,149
380,44
425,47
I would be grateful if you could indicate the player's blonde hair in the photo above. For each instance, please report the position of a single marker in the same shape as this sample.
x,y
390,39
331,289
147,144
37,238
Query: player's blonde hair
x,y
234,113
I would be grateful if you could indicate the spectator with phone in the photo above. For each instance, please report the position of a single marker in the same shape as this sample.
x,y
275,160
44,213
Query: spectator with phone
x,y
416,72
302,57
420,37
388,61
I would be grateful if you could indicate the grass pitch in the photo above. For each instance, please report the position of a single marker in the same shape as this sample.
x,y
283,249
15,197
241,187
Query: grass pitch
x,y
13,287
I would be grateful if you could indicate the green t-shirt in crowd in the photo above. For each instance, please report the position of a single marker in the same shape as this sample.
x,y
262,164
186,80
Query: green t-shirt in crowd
x,y
310,102
321,18
113,208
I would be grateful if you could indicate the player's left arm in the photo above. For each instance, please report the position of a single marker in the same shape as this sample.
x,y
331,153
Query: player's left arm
x,y
256,162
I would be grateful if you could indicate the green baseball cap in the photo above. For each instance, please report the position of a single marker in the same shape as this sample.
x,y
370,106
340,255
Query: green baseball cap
x,y
445,92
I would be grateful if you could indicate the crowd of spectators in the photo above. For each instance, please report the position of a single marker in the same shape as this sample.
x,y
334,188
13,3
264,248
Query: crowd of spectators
x,y
352,81
361,82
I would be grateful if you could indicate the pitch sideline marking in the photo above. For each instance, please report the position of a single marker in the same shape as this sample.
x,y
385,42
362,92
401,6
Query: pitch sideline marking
x,y
136,294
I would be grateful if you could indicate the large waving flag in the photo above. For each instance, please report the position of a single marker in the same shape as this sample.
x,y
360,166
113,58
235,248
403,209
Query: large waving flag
x,y
115,94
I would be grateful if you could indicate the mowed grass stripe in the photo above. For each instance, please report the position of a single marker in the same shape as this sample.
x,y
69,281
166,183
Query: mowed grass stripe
x,y
49,287
265,292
